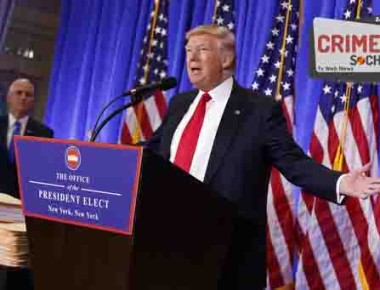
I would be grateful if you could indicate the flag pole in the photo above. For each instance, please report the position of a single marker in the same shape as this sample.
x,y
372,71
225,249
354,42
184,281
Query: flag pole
x,y
136,136
215,9
279,79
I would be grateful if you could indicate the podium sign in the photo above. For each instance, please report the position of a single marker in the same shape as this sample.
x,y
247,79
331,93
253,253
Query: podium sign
x,y
87,184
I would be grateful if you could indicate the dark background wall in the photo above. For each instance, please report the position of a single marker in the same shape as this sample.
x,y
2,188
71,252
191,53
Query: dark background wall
x,y
29,48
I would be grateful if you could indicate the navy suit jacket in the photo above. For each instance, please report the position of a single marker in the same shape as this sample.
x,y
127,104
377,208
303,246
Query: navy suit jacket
x,y
8,174
251,138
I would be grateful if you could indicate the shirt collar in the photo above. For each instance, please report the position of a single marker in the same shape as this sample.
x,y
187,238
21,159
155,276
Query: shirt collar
x,y
12,120
222,91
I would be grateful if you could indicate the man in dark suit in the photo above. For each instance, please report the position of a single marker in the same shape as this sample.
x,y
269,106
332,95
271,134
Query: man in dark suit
x,y
229,137
20,100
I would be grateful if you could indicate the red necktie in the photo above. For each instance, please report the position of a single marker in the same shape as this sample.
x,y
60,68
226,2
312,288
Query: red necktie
x,y
190,135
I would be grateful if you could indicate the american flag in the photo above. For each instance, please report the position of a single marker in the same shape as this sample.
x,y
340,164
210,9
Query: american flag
x,y
341,244
224,14
141,121
274,78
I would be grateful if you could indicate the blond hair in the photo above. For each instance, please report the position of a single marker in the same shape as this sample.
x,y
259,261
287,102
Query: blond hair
x,y
226,38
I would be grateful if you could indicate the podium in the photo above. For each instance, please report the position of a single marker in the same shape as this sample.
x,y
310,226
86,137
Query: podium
x,y
179,234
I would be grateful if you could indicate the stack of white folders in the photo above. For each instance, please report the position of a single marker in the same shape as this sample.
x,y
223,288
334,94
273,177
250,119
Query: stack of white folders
x,y
14,249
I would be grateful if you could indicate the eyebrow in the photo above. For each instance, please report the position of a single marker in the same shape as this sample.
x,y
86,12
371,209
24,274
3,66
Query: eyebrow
x,y
24,91
196,46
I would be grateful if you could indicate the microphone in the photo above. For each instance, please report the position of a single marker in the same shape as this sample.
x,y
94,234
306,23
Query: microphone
x,y
140,93
164,84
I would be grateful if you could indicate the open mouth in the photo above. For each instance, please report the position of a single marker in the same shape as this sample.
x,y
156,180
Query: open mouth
x,y
195,70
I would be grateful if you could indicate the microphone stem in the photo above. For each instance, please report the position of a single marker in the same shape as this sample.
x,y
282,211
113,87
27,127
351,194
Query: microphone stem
x,y
102,112
137,99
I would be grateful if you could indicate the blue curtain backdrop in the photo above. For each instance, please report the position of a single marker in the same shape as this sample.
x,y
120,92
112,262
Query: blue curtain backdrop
x,y
98,48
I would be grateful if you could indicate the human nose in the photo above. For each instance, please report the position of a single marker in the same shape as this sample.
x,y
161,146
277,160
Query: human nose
x,y
24,96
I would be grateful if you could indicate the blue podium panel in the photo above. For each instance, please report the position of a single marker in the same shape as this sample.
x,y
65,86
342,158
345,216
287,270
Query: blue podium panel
x,y
87,184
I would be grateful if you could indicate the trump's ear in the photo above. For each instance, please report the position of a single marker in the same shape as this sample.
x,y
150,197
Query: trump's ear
x,y
228,60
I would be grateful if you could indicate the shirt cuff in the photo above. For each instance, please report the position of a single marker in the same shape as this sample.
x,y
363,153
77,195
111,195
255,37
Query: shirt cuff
x,y
339,197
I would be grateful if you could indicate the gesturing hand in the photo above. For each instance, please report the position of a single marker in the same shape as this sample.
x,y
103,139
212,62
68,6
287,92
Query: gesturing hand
x,y
357,184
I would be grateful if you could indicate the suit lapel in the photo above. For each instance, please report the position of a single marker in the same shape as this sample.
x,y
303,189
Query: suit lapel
x,y
231,119
29,130
179,110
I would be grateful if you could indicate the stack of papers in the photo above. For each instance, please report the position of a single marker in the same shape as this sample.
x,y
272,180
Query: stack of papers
x,y
14,249
10,209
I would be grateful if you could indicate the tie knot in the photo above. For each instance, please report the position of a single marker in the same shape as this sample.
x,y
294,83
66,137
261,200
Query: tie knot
x,y
206,97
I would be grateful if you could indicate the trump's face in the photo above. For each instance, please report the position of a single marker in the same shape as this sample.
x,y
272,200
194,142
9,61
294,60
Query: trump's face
x,y
204,60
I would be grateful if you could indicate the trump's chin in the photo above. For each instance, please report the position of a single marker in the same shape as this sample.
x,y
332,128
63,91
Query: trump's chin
x,y
196,80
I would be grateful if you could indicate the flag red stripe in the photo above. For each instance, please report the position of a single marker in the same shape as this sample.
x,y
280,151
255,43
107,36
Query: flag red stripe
x,y
286,220
376,207
287,115
310,267
359,135
375,116
360,227
161,103
274,270
126,137
334,245
143,120
283,210
316,149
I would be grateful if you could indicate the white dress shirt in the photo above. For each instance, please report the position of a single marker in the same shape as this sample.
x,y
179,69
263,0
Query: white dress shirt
x,y
214,112
11,126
